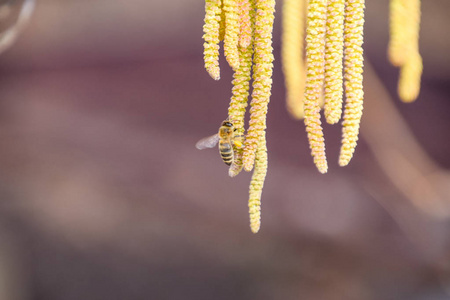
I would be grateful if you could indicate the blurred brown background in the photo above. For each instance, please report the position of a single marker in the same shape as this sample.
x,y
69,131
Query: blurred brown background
x,y
103,195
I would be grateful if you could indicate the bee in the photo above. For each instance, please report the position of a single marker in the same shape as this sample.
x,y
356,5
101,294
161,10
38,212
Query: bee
x,y
226,139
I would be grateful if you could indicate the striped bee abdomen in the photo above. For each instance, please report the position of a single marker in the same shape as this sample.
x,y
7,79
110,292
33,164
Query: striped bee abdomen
x,y
226,151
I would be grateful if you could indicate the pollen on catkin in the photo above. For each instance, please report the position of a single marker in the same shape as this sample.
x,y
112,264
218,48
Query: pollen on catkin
x,y
245,23
262,78
334,52
211,37
231,40
292,55
238,103
333,67
256,185
353,69
315,64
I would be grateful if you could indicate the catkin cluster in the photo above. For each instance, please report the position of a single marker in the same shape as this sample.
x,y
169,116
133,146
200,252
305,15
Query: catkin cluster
x,y
245,26
334,61
321,65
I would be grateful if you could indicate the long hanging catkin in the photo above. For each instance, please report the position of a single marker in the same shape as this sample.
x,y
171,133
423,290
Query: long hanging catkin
x,y
353,69
332,69
315,65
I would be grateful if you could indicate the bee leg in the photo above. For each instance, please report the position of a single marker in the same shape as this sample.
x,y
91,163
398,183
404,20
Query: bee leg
x,y
238,141
238,144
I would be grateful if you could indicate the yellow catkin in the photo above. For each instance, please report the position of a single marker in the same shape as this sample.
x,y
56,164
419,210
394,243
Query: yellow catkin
x,y
398,39
315,64
236,166
245,23
231,39
413,28
262,78
411,70
292,55
211,37
353,69
333,60
238,104
410,75
256,185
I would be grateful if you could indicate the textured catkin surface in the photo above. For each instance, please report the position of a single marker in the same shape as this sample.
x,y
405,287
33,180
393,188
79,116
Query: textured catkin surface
x,y
315,65
231,39
211,37
246,30
105,197
256,185
262,79
353,70
238,103
333,57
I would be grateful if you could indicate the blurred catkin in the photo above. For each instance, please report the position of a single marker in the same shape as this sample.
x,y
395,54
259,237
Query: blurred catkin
x,y
403,49
292,55
398,27
410,76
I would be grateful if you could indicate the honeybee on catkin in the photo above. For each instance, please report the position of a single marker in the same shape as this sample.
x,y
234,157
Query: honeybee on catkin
x,y
226,139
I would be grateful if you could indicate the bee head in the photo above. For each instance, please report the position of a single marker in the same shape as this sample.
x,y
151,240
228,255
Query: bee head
x,y
227,124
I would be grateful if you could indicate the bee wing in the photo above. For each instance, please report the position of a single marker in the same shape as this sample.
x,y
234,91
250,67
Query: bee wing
x,y
207,142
